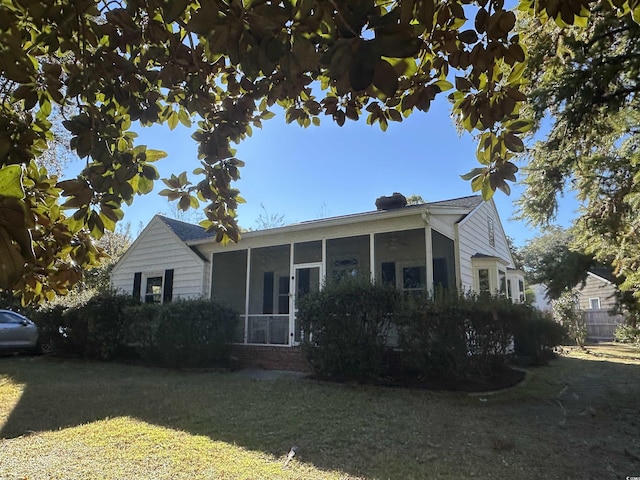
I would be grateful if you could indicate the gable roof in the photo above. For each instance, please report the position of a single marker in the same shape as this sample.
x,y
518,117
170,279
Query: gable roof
x,y
603,274
185,231
183,227
195,234
470,202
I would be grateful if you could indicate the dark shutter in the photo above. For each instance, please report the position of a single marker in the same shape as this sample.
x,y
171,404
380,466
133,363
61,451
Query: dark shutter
x,y
167,292
267,293
137,280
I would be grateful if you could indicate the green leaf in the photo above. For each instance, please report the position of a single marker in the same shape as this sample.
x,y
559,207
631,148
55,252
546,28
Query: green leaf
x,y
473,173
385,78
513,143
443,85
173,9
173,120
154,155
477,183
11,263
45,106
636,13
11,181
184,118
487,191
145,185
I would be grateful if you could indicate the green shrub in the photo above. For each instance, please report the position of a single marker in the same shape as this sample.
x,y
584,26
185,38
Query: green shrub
x,y
107,326
433,334
457,335
536,336
345,328
194,333
50,321
628,333
566,309
143,321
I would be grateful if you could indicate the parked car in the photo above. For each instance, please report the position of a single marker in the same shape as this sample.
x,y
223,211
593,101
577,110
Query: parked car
x,y
18,333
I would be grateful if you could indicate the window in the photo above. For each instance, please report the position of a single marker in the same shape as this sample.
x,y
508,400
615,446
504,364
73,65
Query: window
x,y
414,279
388,271
521,290
502,276
594,303
483,280
344,268
10,317
153,292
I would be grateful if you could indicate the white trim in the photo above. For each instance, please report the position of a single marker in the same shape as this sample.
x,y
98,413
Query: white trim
x,y
372,257
415,210
246,295
294,310
600,278
428,240
599,303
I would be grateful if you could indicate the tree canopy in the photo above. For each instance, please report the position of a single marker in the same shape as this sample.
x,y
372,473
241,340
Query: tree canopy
x,y
588,82
551,259
224,64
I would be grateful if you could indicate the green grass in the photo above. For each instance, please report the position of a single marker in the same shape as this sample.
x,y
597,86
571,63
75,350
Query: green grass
x,y
577,418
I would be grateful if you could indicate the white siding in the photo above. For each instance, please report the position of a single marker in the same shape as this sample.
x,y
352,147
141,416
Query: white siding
x,y
156,250
473,236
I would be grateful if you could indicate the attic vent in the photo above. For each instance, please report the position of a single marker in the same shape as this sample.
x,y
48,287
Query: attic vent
x,y
397,200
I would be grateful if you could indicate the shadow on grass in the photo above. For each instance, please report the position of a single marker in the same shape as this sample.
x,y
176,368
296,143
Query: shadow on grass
x,y
375,432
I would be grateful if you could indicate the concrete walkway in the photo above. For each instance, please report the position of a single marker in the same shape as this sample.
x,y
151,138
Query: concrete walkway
x,y
259,374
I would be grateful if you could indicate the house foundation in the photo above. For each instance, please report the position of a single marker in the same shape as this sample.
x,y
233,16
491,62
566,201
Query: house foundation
x,y
270,357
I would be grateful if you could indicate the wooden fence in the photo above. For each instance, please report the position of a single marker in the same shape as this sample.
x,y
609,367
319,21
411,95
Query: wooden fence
x,y
601,325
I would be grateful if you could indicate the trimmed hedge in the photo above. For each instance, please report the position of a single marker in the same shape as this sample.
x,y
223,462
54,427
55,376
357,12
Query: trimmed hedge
x,y
195,333
536,335
450,335
457,335
345,328
185,333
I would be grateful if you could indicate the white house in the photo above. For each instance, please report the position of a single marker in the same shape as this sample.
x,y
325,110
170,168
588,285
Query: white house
x,y
451,243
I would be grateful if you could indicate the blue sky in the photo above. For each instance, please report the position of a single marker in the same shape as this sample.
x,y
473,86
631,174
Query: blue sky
x,y
326,171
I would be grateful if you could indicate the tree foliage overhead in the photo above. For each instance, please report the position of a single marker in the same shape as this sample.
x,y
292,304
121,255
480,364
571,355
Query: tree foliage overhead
x,y
553,260
225,63
588,82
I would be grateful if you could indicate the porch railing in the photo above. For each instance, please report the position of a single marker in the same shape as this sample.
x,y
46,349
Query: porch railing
x,y
268,329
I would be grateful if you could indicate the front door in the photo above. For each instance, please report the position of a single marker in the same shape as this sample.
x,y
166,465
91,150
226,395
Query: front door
x,y
306,279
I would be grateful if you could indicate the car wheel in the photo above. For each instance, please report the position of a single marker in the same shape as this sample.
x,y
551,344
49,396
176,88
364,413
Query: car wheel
x,y
45,347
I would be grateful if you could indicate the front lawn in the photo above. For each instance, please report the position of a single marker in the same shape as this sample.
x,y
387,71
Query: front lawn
x,y
67,419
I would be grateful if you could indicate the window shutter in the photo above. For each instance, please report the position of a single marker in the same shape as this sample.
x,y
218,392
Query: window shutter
x,y
137,280
167,292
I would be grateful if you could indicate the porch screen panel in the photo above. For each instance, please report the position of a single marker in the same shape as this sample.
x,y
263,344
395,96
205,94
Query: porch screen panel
x,y
400,255
268,321
308,252
348,258
444,258
228,282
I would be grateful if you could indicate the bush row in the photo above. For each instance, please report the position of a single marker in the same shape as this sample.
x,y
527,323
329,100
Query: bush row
x,y
349,327
194,333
